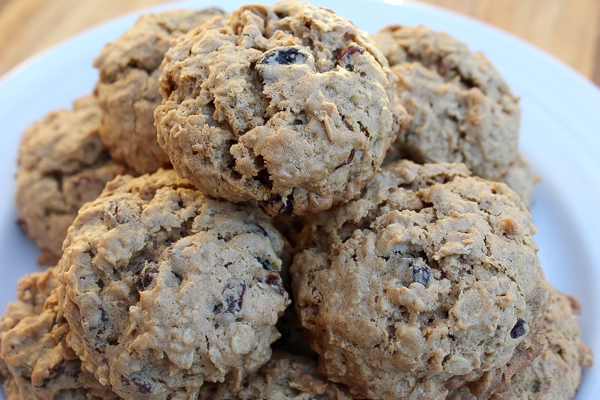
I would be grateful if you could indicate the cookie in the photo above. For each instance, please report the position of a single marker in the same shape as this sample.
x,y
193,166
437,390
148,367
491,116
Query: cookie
x,y
285,376
33,343
62,164
522,179
463,109
32,291
127,88
557,372
430,279
166,288
289,105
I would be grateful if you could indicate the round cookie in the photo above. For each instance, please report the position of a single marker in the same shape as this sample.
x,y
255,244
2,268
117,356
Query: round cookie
x,y
165,288
127,88
557,372
289,105
430,279
463,110
285,376
33,343
32,291
62,164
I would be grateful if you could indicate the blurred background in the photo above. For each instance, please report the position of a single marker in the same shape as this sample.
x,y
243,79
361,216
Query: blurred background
x,y
568,29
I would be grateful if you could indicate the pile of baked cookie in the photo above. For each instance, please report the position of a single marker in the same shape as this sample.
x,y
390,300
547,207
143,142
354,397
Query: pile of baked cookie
x,y
272,204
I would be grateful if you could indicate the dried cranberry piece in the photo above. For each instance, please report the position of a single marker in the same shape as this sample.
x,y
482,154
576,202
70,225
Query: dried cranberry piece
x,y
346,58
272,279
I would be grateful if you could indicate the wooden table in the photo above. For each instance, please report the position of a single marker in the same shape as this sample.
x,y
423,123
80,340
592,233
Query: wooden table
x,y
568,29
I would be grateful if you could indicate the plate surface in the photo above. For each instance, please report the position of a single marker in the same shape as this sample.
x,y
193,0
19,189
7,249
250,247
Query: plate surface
x,y
559,134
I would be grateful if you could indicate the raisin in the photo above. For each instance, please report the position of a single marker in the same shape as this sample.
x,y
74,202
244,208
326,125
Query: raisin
x,y
53,373
217,308
234,303
104,317
348,160
143,387
420,274
266,264
234,298
144,280
284,56
519,329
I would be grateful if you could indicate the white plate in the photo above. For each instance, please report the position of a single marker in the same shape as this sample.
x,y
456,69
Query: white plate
x,y
560,134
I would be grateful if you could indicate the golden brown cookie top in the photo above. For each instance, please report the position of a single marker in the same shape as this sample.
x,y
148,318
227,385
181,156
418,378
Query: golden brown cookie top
x,y
127,88
448,56
290,105
557,372
165,288
62,164
143,46
34,346
463,109
430,275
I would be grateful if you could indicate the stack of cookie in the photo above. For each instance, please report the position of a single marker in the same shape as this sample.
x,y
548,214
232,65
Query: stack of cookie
x,y
221,227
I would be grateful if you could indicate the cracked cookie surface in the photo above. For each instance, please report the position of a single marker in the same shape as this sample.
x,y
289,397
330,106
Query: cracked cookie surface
x,y
463,109
557,372
431,278
127,89
34,346
62,164
289,105
165,288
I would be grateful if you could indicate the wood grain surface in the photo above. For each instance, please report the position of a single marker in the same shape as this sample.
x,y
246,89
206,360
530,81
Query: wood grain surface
x,y
568,29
